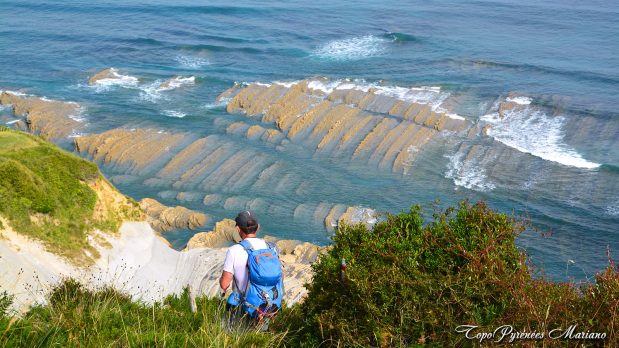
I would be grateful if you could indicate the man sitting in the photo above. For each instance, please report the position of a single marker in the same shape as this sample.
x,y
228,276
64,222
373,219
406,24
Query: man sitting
x,y
254,269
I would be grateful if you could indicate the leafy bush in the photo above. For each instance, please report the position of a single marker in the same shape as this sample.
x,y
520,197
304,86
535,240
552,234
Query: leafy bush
x,y
408,283
6,300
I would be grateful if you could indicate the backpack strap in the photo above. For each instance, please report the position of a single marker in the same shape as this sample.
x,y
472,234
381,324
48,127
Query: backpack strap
x,y
248,248
246,245
273,247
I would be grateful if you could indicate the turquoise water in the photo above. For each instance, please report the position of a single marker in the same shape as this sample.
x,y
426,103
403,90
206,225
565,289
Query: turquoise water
x,y
562,55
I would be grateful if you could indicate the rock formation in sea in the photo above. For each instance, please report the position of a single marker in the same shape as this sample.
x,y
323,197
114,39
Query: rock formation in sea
x,y
109,73
52,119
368,126
164,219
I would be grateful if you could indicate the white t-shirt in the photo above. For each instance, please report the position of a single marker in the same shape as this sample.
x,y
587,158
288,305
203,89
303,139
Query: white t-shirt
x,y
236,263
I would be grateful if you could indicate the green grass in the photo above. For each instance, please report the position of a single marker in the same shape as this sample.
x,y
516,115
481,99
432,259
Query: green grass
x,y
408,283
76,317
44,193
11,141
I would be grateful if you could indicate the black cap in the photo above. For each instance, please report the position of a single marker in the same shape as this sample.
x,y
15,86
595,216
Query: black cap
x,y
246,219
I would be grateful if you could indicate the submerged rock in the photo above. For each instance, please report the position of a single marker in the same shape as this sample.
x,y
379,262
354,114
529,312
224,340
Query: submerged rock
x,y
164,219
109,73
356,215
176,82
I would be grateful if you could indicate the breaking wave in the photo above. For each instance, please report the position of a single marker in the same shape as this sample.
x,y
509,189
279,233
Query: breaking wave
x,y
177,82
431,95
174,113
530,130
153,92
467,174
355,48
117,79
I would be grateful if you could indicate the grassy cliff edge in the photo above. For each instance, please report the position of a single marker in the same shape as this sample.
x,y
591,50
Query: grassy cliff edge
x,y
56,197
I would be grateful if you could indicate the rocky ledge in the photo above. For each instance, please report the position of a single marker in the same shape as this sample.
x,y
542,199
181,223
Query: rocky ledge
x,y
52,119
164,219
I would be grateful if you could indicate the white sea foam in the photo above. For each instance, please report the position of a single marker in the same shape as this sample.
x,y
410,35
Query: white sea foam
x,y
151,92
324,86
530,130
218,104
363,215
613,209
191,62
257,83
519,100
467,174
76,134
177,82
286,84
355,48
455,116
79,115
431,95
17,93
174,113
117,79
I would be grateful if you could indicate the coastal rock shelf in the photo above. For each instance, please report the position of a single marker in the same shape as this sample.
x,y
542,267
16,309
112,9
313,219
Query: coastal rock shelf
x,y
51,119
363,124
209,170
313,153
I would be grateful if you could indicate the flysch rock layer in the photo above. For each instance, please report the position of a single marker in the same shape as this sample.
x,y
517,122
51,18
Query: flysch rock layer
x,y
368,125
164,219
52,119
138,150
136,262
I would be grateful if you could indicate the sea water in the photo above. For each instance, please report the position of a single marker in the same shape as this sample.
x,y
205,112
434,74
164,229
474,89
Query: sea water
x,y
560,57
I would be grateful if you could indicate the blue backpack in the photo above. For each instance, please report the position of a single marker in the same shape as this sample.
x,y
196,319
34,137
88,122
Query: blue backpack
x,y
263,296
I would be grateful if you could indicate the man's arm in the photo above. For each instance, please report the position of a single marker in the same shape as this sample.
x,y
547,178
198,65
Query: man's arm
x,y
225,280
228,273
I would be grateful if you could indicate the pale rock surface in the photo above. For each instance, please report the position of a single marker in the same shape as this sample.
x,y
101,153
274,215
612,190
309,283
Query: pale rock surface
x,y
136,262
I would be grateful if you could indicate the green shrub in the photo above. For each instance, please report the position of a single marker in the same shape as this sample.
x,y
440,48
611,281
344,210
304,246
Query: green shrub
x,y
408,283
6,300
